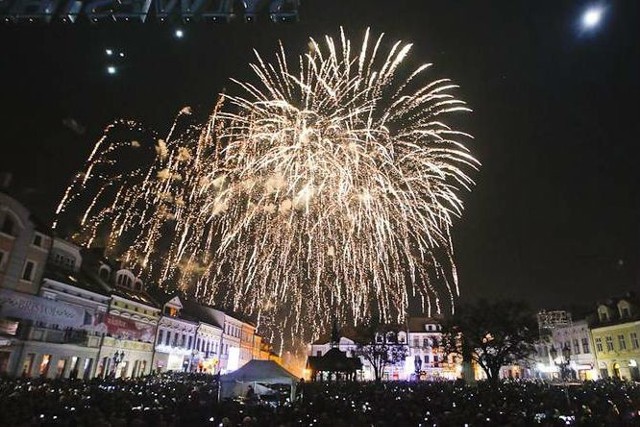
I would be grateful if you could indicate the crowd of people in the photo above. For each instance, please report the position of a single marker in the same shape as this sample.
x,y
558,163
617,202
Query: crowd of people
x,y
191,400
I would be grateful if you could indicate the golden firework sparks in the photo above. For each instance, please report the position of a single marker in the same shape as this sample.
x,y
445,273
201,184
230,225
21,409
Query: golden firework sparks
x,y
324,188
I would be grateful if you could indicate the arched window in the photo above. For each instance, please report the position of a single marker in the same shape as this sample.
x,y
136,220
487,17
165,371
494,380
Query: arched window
x,y
104,272
125,278
391,337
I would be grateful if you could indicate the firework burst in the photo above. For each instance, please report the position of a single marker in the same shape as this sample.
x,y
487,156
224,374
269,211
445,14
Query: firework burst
x,y
323,188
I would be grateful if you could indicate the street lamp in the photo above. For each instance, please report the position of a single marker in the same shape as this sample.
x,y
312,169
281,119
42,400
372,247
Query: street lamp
x,y
562,361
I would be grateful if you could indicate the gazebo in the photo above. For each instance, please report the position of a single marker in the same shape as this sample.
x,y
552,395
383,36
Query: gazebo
x,y
333,365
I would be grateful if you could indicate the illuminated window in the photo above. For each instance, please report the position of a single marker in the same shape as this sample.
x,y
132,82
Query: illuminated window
x,y
585,345
44,365
576,346
609,340
634,340
27,365
621,342
599,344
60,367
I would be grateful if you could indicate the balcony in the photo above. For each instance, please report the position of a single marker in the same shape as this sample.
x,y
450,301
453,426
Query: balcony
x,y
63,336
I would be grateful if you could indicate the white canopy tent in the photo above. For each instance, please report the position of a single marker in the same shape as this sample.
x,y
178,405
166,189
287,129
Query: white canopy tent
x,y
255,373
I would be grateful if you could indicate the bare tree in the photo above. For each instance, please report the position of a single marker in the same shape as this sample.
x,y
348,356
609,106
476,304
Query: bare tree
x,y
379,345
491,333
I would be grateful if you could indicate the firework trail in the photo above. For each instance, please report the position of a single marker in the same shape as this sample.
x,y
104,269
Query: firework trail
x,y
323,188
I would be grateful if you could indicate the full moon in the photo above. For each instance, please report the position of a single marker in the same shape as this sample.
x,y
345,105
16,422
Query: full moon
x,y
591,17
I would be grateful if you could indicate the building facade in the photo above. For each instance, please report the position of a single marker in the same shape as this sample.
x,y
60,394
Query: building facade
x,y
175,339
66,350
543,364
581,362
616,338
129,327
352,344
208,342
67,311
247,342
230,343
426,359
24,247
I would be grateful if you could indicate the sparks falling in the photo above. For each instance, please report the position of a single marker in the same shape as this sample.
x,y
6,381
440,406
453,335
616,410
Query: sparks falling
x,y
325,187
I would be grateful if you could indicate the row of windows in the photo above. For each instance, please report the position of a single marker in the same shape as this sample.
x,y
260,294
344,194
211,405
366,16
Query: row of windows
x,y
126,281
177,339
8,227
232,330
391,337
426,342
622,342
436,358
624,312
28,270
63,261
575,345
174,340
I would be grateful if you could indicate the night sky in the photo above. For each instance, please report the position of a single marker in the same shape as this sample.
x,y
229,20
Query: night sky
x,y
554,218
